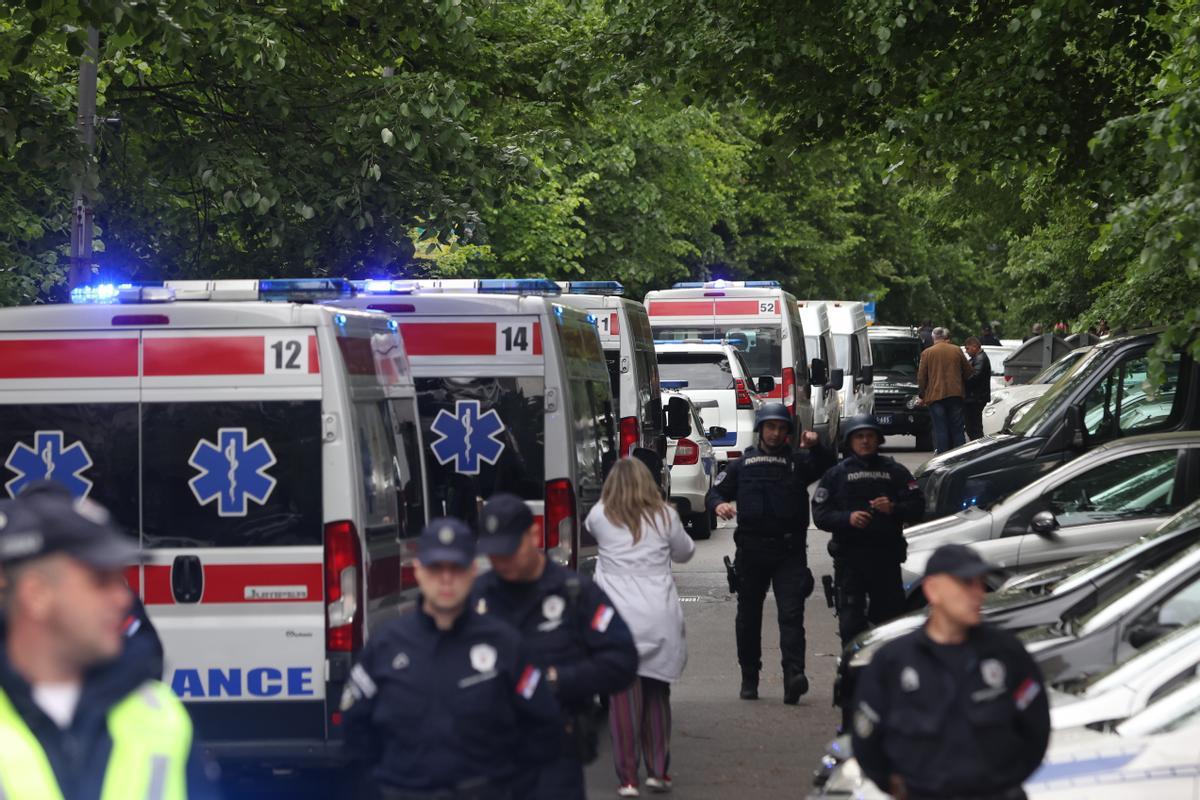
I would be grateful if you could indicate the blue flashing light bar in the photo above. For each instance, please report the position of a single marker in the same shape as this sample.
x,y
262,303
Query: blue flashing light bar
x,y
673,384
383,286
101,293
109,293
722,284
539,286
608,288
299,290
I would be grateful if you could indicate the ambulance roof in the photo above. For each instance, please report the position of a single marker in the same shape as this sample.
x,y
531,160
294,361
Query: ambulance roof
x,y
189,314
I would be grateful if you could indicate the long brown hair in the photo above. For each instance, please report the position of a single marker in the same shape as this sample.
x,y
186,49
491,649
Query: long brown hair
x,y
631,497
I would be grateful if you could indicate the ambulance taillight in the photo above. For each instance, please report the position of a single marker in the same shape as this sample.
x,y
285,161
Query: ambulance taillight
x,y
743,396
789,388
343,588
559,519
687,453
629,435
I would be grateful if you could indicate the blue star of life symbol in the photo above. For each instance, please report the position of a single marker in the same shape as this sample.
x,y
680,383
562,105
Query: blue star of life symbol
x,y
50,460
467,437
232,472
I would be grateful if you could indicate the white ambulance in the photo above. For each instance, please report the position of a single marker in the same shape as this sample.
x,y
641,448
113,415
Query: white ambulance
x,y
826,375
758,317
514,396
266,454
848,321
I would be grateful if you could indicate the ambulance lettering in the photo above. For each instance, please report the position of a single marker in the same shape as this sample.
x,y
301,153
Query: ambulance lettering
x,y
467,437
232,472
49,459
236,682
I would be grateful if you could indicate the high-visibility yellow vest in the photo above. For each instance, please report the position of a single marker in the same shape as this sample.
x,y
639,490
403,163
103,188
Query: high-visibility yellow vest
x,y
152,737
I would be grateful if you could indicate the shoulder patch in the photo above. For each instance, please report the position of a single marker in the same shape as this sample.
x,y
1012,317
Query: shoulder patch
x,y
821,495
720,476
603,617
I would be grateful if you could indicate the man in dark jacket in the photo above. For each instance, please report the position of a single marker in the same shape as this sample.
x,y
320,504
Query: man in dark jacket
x,y
769,484
82,714
865,502
978,388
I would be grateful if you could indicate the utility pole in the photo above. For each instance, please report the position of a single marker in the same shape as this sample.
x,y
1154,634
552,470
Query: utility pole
x,y
81,211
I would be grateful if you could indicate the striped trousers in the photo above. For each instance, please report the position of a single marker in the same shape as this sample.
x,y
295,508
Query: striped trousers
x,y
639,719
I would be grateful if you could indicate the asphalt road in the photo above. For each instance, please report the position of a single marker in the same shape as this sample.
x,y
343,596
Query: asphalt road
x,y
724,748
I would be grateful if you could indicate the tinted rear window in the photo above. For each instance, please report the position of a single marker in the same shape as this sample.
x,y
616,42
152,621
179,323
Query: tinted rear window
x,y
700,370
228,474
458,457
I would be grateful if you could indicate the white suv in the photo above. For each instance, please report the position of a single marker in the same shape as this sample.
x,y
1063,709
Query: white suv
x,y
714,370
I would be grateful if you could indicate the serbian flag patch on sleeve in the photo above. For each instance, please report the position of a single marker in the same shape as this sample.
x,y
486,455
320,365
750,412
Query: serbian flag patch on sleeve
x,y
1026,693
529,681
603,616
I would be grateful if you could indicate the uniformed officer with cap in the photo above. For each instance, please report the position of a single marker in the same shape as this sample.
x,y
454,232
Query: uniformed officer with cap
x,y
443,703
82,714
572,631
955,709
769,485
865,502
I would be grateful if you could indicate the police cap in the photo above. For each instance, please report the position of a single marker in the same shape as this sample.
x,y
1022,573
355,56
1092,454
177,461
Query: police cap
x,y
446,540
504,520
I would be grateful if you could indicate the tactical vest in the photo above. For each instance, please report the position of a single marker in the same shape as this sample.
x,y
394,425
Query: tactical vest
x,y
770,499
152,737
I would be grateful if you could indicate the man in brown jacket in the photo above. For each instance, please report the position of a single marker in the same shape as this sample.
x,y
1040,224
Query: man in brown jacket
x,y
941,384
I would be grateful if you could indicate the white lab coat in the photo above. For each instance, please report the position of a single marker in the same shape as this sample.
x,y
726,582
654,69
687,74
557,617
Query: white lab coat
x,y
638,580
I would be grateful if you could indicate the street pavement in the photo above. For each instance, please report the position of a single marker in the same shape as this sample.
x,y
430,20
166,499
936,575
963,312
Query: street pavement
x,y
724,748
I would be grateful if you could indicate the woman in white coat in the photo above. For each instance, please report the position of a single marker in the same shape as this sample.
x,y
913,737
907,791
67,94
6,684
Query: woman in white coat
x,y
639,535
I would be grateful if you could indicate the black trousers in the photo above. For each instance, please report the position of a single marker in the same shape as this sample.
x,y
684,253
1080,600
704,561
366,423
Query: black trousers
x,y
973,418
868,592
762,566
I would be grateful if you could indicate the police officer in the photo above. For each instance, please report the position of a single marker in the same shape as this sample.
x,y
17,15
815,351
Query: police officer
x,y
865,502
443,704
82,714
571,631
769,485
954,709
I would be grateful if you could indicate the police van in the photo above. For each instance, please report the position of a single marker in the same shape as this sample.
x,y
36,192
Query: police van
x,y
514,396
758,317
628,348
266,455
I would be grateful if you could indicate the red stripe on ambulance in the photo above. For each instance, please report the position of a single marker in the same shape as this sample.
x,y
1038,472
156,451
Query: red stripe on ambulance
x,y
203,355
69,358
681,308
452,338
747,308
243,583
314,360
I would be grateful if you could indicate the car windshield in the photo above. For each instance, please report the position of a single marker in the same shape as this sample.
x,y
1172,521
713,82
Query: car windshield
x,y
1058,394
1059,368
898,357
700,370
842,344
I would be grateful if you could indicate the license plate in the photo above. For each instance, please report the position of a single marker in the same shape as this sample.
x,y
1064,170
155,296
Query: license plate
x,y
883,419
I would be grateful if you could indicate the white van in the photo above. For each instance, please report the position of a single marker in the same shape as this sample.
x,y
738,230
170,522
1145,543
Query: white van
x,y
514,396
756,316
628,348
826,397
848,322
266,455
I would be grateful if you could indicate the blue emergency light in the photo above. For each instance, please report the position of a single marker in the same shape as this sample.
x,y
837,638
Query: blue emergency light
x,y
540,286
101,293
298,290
108,293
723,284
608,288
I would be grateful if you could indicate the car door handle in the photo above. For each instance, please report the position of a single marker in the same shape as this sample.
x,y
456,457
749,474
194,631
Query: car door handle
x,y
187,579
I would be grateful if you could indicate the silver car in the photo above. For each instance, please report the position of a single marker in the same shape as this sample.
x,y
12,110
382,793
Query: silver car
x,y
1101,500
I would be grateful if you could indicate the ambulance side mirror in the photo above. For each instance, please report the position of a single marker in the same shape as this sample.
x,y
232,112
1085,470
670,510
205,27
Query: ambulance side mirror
x,y
836,378
679,423
764,384
818,373
866,374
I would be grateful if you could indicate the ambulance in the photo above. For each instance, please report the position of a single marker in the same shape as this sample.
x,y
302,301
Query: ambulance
x,y
758,317
266,456
848,322
514,396
827,377
628,348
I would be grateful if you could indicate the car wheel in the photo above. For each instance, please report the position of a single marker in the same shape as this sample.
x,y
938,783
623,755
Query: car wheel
x,y
699,525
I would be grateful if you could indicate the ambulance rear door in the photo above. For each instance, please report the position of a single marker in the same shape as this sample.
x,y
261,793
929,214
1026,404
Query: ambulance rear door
x,y
231,426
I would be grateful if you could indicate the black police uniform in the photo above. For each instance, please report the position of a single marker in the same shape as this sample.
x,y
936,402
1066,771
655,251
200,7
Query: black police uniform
x,y
568,623
771,491
953,721
866,561
460,713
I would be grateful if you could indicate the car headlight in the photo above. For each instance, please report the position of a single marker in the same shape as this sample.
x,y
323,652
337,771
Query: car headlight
x,y
911,402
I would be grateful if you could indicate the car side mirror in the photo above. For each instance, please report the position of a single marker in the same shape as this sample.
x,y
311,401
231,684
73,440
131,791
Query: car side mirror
x,y
866,374
836,378
1143,634
818,373
715,432
1074,423
1044,523
679,423
764,384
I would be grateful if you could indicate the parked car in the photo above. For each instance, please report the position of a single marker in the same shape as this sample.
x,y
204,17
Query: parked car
x,y
1005,401
896,355
691,460
1065,423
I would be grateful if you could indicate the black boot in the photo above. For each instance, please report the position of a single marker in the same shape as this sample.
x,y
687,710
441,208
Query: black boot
x,y
749,684
795,684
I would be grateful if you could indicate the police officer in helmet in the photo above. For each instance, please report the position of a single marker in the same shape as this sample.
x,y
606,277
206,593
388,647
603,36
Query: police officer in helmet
x,y
865,502
443,704
955,709
766,489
